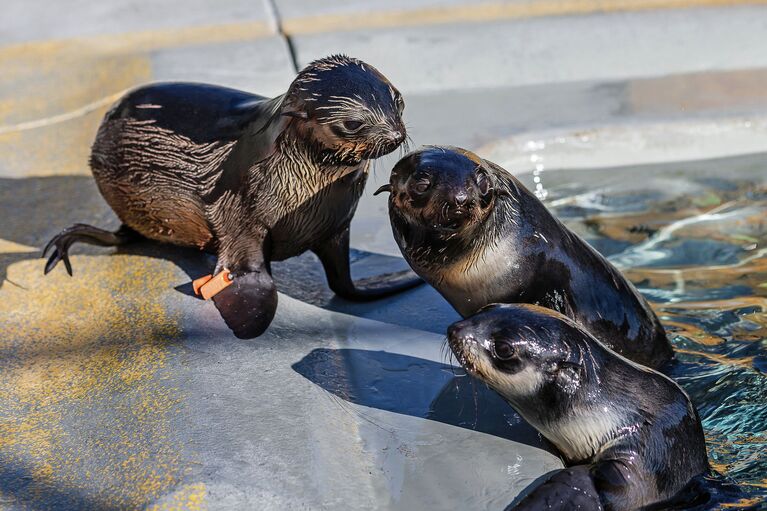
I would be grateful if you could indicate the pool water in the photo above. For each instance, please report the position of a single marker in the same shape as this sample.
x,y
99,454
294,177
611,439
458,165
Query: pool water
x,y
693,238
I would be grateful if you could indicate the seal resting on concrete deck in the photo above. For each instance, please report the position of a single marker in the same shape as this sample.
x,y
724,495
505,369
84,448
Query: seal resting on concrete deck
x,y
248,178
476,234
629,435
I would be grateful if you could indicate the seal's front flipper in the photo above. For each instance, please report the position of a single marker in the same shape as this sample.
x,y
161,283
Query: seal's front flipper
x,y
621,484
248,304
85,234
246,297
571,488
334,255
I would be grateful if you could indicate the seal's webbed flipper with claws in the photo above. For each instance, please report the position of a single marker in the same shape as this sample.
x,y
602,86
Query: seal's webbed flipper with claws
x,y
571,488
62,242
334,255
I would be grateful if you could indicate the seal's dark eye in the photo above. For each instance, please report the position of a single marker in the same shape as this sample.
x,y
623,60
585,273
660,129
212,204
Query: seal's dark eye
x,y
420,184
483,184
352,126
503,350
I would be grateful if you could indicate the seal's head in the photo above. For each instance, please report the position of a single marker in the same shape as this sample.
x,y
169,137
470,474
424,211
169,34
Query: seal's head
x,y
444,190
526,353
346,110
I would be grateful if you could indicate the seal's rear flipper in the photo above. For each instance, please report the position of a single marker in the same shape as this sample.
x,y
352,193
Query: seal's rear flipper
x,y
334,255
248,304
571,488
85,234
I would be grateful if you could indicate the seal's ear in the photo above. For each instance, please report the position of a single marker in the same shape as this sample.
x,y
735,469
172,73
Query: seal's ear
x,y
568,376
293,107
502,180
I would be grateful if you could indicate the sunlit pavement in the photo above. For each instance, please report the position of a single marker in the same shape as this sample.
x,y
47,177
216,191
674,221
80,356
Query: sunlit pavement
x,y
120,390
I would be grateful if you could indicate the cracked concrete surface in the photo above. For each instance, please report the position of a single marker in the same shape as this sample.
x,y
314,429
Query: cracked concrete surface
x,y
120,390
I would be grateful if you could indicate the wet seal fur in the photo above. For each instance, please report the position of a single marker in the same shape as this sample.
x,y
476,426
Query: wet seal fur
x,y
629,435
476,234
248,178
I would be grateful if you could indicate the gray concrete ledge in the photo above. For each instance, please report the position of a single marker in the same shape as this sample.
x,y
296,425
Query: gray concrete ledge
x,y
594,47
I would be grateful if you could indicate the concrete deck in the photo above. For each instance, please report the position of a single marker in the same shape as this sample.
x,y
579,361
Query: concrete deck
x,y
118,390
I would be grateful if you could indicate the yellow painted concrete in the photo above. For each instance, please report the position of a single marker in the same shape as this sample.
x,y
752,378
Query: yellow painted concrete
x,y
43,87
68,345
143,40
9,247
190,497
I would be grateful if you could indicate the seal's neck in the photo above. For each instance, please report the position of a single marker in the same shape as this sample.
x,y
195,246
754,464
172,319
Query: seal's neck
x,y
593,408
581,435
430,249
295,163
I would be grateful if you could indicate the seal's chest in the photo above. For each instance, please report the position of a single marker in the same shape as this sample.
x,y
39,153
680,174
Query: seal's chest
x,y
316,214
480,279
582,435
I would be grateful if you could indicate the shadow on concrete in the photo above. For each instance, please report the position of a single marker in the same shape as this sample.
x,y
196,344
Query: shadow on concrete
x,y
417,387
35,209
20,486
422,307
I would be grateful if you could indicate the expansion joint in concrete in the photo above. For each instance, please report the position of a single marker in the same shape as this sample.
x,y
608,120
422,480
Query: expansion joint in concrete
x,y
274,14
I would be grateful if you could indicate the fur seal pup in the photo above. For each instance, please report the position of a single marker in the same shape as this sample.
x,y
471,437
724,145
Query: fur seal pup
x,y
248,178
629,435
472,231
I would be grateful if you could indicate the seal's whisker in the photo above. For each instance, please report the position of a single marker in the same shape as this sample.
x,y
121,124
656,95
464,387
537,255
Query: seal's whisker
x,y
442,352
374,167
355,413
406,145
476,404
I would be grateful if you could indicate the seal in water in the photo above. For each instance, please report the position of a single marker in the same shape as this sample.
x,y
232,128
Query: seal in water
x,y
472,231
629,435
248,178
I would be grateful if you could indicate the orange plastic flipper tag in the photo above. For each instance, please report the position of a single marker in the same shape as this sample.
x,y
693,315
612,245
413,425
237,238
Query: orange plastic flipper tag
x,y
216,284
198,283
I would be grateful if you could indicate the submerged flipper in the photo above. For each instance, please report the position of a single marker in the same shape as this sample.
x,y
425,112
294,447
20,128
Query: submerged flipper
x,y
569,489
334,255
83,233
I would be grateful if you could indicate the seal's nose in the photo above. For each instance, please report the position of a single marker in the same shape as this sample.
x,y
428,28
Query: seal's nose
x,y
398,136
461,197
